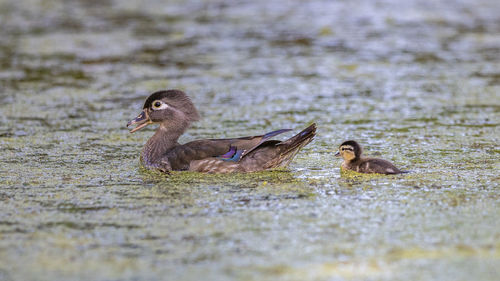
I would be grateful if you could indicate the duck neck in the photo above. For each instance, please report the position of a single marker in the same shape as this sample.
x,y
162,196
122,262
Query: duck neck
x,y
355,159
164,139
352,161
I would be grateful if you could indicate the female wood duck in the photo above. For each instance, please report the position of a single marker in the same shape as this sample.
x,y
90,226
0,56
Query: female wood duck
x,y
174,111
352,152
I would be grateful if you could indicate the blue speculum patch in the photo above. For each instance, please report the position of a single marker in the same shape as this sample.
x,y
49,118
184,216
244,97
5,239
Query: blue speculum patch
x,y
232,155
229,154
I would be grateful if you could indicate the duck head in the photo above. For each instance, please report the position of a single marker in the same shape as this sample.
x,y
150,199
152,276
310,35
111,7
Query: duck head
x,y
170,108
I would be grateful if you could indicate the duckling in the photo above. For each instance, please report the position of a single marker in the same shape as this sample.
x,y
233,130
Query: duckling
x,y
174,112
352,152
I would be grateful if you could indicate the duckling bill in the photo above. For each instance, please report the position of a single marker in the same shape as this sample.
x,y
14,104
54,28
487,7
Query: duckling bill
x,y
352,153
174,112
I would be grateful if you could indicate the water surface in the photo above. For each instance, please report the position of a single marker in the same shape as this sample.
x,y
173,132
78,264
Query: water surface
x,y
416,83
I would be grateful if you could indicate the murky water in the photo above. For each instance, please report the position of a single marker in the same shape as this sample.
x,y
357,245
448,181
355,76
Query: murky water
x,y
416,83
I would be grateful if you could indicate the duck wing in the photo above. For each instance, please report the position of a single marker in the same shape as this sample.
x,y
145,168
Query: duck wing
x,y
181,156
265,155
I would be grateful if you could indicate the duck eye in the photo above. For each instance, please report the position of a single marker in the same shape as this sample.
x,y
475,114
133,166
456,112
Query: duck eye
x,y
157,104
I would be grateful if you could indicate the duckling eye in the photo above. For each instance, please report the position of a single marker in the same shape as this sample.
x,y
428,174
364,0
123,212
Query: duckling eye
x,y
159,105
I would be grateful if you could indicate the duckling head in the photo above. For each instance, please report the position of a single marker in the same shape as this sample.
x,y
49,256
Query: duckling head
x,y
170,108
349,150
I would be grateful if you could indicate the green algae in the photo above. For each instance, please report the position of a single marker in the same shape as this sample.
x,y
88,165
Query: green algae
x,y
75,203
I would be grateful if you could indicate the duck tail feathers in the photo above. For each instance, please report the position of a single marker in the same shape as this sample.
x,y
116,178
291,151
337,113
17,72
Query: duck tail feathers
x,y
293,145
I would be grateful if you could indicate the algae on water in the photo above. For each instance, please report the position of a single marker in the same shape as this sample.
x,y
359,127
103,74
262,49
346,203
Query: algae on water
x,y
415,83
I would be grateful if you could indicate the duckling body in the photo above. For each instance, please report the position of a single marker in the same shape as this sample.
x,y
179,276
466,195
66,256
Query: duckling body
x,y
352,153
174,111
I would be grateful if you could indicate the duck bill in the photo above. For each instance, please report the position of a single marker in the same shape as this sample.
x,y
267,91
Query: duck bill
x,y
141,121
337,154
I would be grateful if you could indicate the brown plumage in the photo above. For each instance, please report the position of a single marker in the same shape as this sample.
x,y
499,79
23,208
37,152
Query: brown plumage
x,y
352,153
174,111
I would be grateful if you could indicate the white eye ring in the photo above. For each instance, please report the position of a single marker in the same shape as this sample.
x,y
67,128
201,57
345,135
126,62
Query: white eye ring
x,y
158,105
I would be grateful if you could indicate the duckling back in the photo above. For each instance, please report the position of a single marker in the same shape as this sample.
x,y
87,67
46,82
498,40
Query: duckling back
x,y
379,166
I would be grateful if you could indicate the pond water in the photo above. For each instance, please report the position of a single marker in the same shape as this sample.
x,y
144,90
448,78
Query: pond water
x,y
415,82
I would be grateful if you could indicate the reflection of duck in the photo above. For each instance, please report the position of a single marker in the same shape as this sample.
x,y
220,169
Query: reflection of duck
x,y
174,111
352,152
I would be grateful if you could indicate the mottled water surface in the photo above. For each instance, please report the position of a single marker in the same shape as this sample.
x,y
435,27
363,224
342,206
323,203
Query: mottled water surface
x,y
416,82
